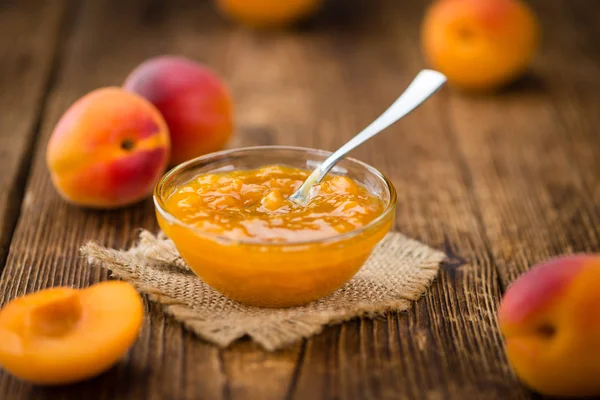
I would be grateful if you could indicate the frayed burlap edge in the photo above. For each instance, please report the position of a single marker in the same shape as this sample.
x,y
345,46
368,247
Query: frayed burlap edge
x,y
271,333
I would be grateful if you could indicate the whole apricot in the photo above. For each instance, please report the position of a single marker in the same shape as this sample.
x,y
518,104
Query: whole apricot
x,y
268,13
550,320
108,150
64,335
193,100
480,44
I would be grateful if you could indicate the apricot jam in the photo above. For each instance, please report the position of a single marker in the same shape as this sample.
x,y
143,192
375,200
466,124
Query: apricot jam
x,y
252,204
230,219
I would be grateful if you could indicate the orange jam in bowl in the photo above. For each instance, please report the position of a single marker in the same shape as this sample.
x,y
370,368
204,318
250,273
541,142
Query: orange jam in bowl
x,y
228,215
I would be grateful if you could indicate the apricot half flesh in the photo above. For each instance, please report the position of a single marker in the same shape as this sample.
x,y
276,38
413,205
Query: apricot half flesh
x,y
63,335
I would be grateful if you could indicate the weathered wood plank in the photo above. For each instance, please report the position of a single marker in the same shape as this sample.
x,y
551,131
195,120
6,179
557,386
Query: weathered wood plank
x,y
254,374
533,151
29,33
448,346
108,39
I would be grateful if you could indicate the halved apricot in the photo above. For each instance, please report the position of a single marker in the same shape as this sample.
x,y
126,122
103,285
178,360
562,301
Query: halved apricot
x,y
63,335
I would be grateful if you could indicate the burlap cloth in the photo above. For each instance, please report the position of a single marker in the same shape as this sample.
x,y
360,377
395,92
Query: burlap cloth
x,y
398,273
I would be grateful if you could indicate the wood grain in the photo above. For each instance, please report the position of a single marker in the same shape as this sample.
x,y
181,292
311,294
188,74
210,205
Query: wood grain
x,y
29,33
454,327
498,182
108,39
534,152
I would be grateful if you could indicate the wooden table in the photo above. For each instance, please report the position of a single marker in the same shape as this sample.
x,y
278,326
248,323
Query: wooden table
x,y
498,182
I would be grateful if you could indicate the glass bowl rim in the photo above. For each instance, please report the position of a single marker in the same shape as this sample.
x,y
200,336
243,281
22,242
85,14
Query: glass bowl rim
x,y
159,204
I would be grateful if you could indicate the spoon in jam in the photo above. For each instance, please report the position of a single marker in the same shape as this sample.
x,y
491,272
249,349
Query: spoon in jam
x,y
426,83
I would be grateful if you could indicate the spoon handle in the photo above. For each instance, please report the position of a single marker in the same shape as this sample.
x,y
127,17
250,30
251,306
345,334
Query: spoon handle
x,y
426,83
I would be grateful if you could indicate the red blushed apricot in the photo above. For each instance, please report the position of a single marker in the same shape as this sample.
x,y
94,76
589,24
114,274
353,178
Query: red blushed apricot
x,y
64,335
193,100
479,44
551,324
108,150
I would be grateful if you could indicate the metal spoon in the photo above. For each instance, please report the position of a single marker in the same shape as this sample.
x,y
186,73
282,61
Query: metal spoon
x,y
424,85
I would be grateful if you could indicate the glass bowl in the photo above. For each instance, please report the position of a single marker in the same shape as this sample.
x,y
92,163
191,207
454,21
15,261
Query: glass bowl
x,y
274,274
